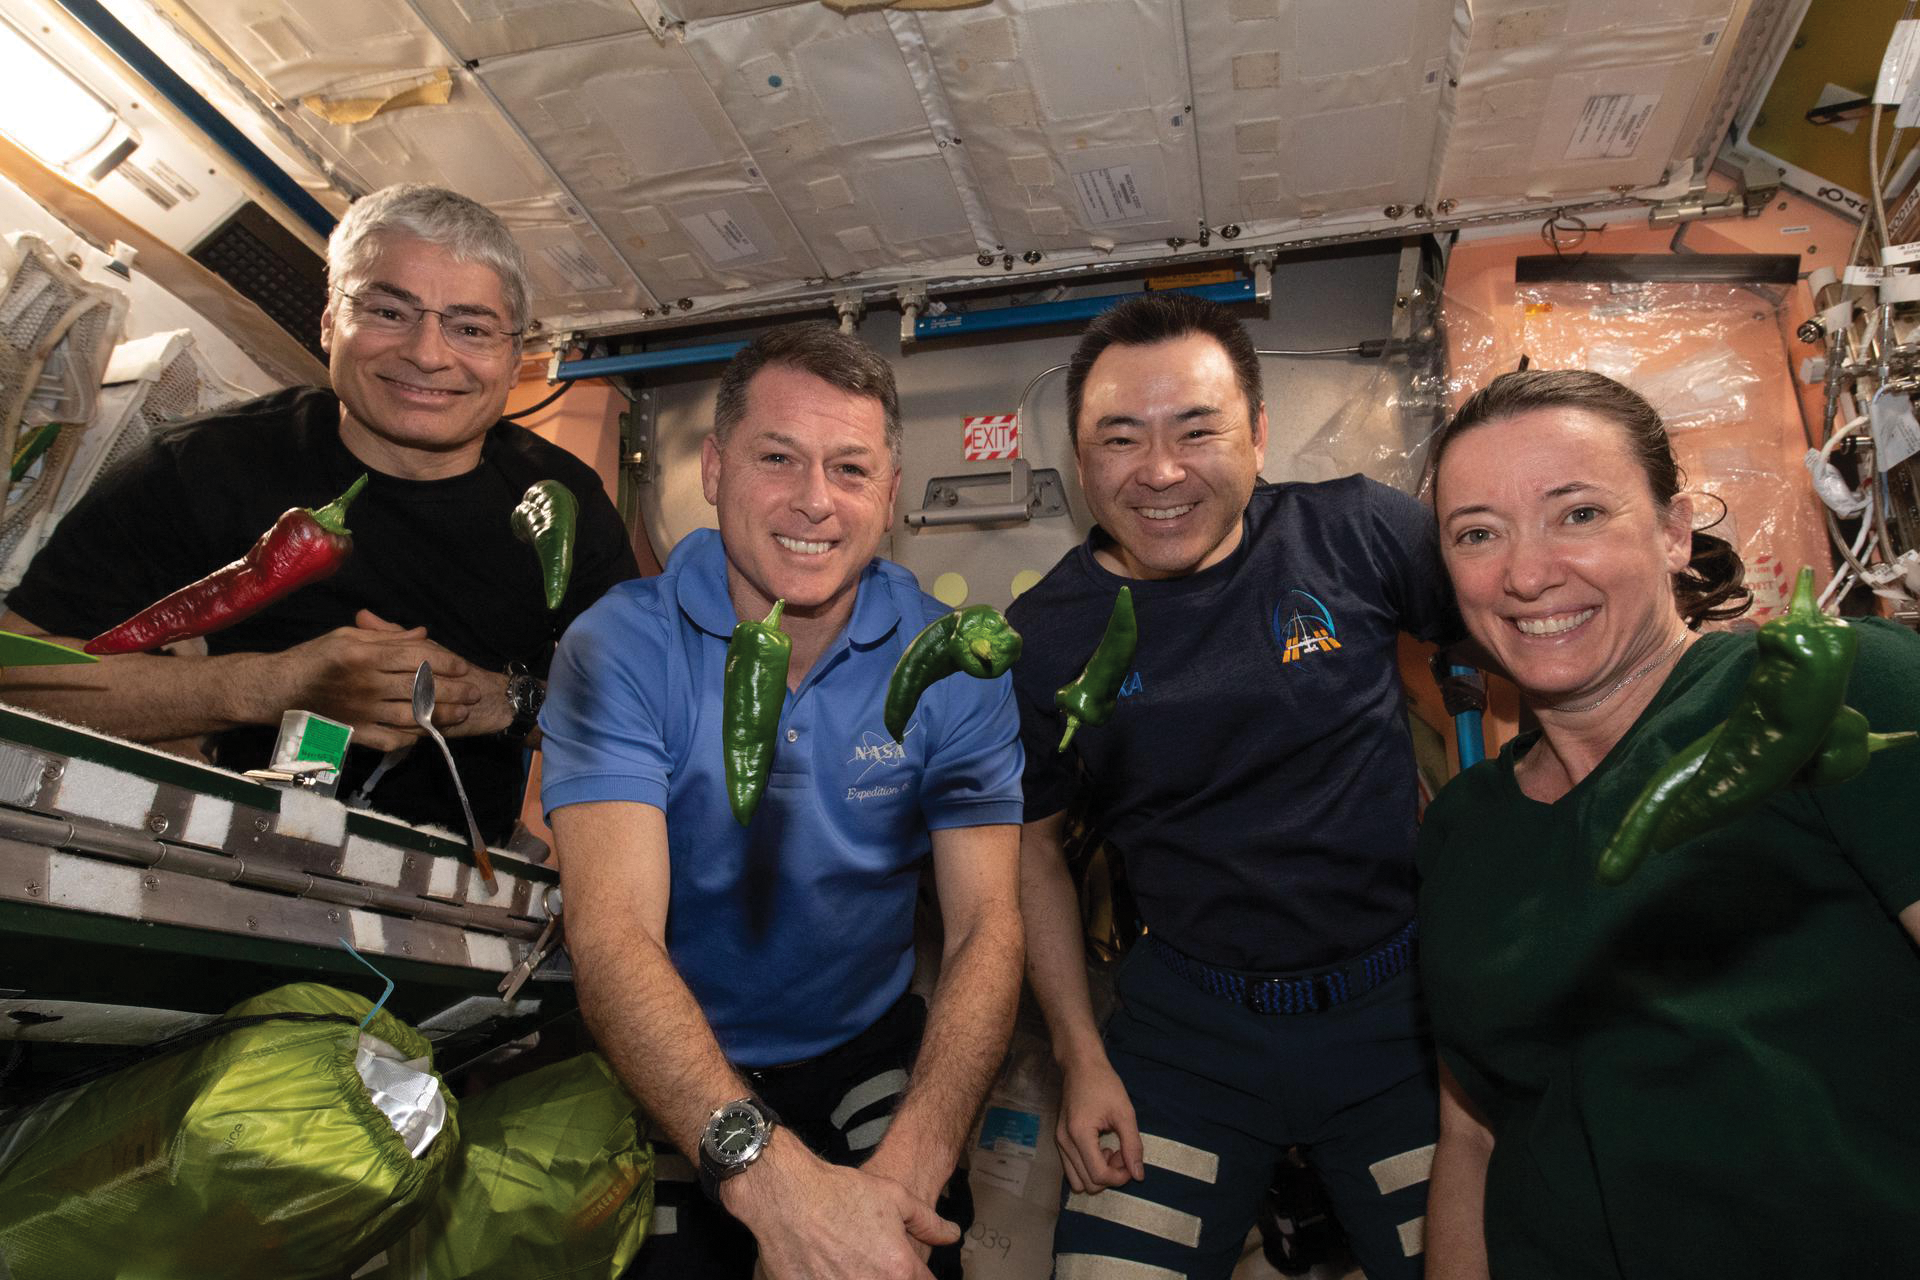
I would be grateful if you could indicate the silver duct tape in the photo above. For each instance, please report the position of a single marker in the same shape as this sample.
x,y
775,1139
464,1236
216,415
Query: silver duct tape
x,y
404,1091
22,774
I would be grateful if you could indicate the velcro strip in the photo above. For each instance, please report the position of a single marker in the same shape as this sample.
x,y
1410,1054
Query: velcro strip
x,y
1403,1170
866,1093
1413,1236
666,1220
1087,1266
1178,1157
1139,1214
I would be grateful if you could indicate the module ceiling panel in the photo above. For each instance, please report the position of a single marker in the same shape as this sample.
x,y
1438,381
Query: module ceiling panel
x,y
677,158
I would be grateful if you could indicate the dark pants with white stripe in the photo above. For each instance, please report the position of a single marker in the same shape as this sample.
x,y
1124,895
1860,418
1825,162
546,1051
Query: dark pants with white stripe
x,y
1221,1092
839,1104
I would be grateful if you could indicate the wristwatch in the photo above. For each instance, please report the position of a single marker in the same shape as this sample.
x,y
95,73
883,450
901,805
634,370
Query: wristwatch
x,y
525,695
736,1136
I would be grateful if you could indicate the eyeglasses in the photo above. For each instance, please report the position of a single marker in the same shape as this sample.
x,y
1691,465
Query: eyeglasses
x,y
384,314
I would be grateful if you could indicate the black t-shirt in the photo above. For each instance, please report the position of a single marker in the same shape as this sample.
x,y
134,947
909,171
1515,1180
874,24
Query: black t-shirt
x,y
1257,775
436,553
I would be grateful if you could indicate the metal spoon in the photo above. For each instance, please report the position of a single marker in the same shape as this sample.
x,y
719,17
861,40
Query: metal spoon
x,y
423,716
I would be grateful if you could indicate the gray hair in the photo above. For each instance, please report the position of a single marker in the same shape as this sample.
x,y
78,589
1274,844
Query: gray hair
x,y
469,231
821,350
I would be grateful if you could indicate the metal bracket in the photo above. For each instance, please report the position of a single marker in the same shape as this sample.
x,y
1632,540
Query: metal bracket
x,y
850,306
913,300
1032,494
1262,266
636,438
561,341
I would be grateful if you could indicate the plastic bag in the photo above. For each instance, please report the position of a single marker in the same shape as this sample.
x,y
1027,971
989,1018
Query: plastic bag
x,y
552,1179
257,1150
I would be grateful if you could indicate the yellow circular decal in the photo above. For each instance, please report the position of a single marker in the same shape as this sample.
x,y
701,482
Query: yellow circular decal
x,y
1024,579
950,589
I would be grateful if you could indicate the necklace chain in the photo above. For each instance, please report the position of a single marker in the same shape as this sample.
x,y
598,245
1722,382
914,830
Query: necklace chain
x,y
1625,680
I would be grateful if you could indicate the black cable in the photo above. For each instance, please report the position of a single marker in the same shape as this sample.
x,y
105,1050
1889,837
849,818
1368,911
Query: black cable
x,y
532,409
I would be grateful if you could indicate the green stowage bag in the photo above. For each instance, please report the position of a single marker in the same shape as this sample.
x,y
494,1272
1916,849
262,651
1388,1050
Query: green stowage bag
x,y
256,1152
553,1178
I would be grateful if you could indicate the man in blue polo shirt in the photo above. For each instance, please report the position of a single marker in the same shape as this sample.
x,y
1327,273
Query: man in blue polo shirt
x,y
749,983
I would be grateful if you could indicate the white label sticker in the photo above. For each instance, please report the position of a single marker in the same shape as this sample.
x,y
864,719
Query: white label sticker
x,y
1898,255
1009,1141
1861,274
1838,316
989,438
1109,195
1896,68
1611,125
576,266
1896,436
1795,231
719,236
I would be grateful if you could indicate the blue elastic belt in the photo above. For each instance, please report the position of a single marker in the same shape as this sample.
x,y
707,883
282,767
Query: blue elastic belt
x,y
1305,993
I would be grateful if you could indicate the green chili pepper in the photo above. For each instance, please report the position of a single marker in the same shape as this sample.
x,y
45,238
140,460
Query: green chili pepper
x,y
1797,688
545,520
1634,840
1846,750
1789,728
975,640
1090,699
754,691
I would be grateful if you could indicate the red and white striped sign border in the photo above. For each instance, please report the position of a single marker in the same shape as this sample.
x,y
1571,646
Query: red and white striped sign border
x,y
994,436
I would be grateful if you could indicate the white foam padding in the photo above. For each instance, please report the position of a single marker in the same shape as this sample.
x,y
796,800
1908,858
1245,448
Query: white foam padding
x,y
444,881
489,951
502,894
91,885
370,862
305,816
369,930
89,790
209,822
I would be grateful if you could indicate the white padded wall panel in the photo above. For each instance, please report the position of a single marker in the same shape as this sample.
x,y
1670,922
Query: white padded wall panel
x,y
633,128
345,50
1316,109
1574,98
1075,117
828,107
490,28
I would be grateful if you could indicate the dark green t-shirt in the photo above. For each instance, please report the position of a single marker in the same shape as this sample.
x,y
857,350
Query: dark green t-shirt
x,y
1714,1069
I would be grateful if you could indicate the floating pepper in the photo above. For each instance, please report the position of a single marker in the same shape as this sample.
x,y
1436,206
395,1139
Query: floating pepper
x,y
754,691
303,546
1847,749
545,520
1789,727
975,640
1091,698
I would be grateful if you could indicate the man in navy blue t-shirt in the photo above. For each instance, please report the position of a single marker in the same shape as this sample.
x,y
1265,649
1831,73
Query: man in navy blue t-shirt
x,y
1257,778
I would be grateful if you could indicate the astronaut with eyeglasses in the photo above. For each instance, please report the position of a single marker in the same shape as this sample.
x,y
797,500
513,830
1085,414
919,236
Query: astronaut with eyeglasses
x,y
427,305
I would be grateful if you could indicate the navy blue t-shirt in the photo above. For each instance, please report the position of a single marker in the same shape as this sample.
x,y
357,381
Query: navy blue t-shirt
x,y
1257,776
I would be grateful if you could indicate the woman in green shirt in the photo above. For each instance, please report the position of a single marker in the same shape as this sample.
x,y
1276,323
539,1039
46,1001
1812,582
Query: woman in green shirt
x,y
1713,1069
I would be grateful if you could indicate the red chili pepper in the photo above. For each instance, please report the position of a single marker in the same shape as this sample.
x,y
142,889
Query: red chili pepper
x,y
303,546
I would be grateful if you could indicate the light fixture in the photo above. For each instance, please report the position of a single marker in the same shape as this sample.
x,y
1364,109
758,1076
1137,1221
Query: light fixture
x,y
46,109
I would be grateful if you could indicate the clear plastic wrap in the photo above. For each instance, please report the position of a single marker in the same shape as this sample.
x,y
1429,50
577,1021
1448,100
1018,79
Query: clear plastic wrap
x,y
1708,357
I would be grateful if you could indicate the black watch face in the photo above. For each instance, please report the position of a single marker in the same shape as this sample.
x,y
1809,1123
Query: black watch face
x,y
737,1133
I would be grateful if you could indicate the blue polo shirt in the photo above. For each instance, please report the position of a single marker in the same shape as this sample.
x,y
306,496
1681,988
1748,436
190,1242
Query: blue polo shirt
x,y
795,933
